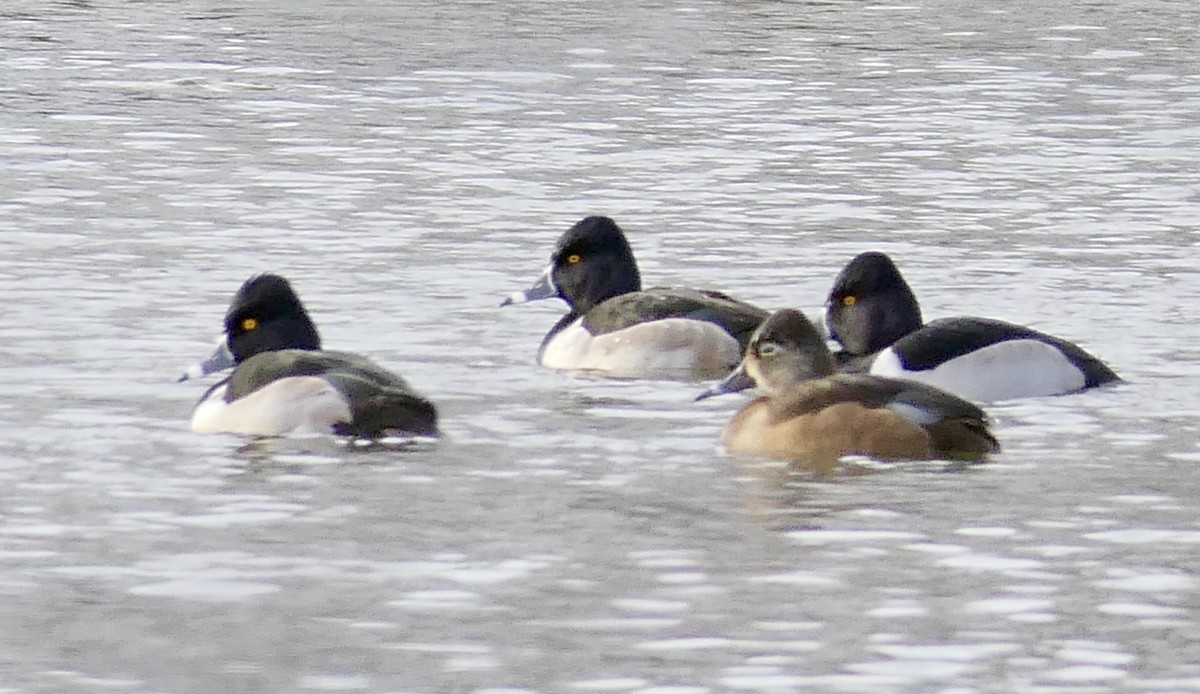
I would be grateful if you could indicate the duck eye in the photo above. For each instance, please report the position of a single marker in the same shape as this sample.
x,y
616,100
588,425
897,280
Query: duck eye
x,y
574,258
768,349
849,300
249,324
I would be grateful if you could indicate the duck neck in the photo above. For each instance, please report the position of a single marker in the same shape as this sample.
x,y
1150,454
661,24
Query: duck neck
x,y
615,277
894,318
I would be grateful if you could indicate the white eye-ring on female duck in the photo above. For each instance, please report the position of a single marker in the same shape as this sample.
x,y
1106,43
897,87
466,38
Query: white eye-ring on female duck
x,y
768,349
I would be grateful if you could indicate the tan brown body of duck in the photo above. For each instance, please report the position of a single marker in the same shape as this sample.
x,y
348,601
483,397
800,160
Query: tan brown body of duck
x,y
811,415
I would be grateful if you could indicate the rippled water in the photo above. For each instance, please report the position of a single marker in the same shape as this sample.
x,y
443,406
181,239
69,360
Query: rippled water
x,y
409,164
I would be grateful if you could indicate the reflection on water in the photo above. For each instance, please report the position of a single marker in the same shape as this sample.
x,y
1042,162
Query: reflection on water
x,y
783,496
407,164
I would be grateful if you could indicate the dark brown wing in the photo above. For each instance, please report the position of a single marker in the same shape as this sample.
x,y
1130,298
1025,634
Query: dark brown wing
x,y
737,318
946,338
380,401
959,428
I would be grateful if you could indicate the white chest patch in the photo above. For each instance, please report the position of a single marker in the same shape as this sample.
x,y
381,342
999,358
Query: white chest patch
x,y
299,404
1003,371
668,348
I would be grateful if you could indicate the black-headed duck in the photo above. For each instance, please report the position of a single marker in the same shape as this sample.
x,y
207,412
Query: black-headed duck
x,y
283,382
874,315
615,328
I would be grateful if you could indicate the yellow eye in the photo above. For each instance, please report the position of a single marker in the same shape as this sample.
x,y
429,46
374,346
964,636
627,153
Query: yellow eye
x,y
849,300
249,324
573,258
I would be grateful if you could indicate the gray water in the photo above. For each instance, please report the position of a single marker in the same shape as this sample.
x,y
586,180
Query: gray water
x,y
408,164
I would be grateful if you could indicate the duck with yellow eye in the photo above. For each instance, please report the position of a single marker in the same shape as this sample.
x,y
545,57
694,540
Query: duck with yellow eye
x,y
812,416
874,315
283,382
616,329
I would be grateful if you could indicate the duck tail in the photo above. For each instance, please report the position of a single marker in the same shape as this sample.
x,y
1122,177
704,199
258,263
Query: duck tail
x,y
963,439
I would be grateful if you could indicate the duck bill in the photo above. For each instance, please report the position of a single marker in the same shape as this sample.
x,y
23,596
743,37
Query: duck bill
x,y
542,288
219,360
737,381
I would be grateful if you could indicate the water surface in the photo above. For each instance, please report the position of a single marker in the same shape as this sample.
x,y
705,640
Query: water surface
x,y
409,164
